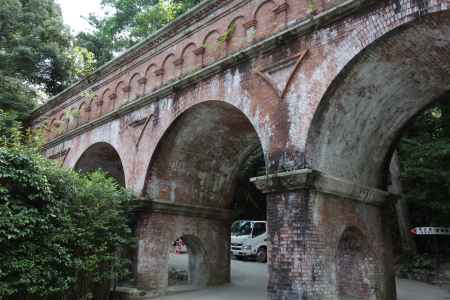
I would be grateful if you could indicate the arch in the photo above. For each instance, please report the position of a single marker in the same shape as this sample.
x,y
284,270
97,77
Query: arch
x,y
63,123
84,113
95,107
73,118
51,133
362,113
213,48
169,67
152,81
121,94
263,6
265,18
355,266
136,87
108,101
102,156
198,264
190,60
182,170
237,38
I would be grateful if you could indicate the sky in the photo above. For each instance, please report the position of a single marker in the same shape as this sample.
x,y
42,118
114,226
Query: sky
x,y
73,10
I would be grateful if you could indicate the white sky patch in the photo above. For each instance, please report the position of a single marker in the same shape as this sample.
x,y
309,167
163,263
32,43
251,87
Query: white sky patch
x,y
74,10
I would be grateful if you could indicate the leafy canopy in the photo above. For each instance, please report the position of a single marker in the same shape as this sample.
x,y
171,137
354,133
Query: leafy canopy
x,y
36,54
129,22
425,161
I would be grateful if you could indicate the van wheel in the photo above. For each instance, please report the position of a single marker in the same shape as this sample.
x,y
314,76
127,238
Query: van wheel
x,y
261,255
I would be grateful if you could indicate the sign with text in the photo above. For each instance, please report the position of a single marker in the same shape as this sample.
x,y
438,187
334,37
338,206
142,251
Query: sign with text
x,y
431,231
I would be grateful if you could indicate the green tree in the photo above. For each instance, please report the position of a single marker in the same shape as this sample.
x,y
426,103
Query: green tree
x,y
60,232
36,53
425,166
130,22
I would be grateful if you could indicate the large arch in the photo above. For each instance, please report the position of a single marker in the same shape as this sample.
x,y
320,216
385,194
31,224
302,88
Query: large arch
x,y
102,156
356,127
364,110
191,180
198,158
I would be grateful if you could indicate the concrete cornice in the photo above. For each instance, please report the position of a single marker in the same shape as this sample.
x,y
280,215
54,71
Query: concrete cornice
x,y
170,208
308,179
296,30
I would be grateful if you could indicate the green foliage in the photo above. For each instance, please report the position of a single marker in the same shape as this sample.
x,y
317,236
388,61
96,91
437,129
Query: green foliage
x,y
425,167
37,57
410,263
312,6
33,41
227,35
60,232
15,95
10,130
83,61
130,22
423,267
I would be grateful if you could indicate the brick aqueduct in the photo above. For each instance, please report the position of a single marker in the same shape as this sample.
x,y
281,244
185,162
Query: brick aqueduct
x,y
323,87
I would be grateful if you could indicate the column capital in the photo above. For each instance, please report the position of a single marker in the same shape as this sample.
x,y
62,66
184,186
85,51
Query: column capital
x,y
309,179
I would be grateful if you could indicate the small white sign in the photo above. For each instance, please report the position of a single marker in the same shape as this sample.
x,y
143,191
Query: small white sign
x,y
431,231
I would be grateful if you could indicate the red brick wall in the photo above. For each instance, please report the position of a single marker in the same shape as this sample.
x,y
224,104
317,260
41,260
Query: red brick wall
x,y
156,233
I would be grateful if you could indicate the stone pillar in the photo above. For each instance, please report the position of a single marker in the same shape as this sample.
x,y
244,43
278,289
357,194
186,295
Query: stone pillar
x,y
308,213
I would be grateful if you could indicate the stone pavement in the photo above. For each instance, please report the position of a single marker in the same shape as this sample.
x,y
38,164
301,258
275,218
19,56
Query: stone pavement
x,y
249,281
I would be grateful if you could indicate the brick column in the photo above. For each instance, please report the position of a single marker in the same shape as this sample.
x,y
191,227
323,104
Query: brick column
x,y
207,234
308,215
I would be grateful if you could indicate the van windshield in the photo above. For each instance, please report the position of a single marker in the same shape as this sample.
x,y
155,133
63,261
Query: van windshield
x,y
241,228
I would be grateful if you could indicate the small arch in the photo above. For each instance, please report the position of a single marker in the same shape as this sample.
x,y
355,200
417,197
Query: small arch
x,y
169,67
236,34
265,18
355,266
198,271
51,130
152,81
73,118
136,87
96,107
262,6
84,113
121,94
108,101
213,48
190,60
65,120
102,156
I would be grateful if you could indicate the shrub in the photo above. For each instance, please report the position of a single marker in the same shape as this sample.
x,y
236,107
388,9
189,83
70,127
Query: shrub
x,y
61,233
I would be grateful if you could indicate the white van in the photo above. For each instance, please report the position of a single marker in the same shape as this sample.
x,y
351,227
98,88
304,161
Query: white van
x,y
249,239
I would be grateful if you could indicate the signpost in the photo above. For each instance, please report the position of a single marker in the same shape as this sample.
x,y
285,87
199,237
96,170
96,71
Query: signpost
x,y
431,231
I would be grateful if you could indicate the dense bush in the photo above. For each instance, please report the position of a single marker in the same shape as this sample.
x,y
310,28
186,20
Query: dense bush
x,y
60,232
